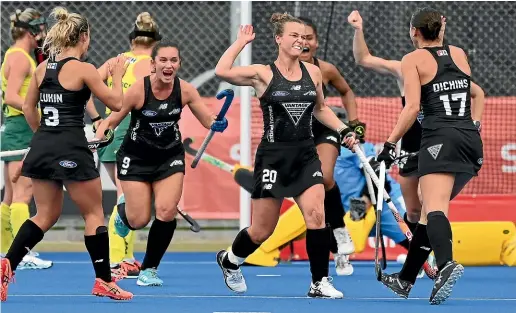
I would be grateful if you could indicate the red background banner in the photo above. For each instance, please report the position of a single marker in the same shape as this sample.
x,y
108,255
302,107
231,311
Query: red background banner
x,y
210,193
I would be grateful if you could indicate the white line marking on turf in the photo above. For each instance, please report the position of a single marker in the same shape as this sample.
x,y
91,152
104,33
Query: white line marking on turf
x,y
262,297
268,275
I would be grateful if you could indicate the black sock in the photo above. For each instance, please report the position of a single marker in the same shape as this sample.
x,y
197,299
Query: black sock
x,y
440,235
318,249
333,208
243,246
160,236
28,236
98,248
120,208
405,244
411,226
418,253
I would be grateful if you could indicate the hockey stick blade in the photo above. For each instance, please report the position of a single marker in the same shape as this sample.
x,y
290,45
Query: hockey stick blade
x,y
195,226
229,95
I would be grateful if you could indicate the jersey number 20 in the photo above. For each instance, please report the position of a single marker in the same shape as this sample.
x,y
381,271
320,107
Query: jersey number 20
x,y
53,119
454,97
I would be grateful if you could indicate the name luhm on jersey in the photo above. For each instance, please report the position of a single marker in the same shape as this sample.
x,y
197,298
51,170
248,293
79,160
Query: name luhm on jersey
x,y
451,85
51,98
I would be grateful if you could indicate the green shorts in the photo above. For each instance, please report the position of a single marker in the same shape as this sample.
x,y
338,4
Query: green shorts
x,y
16,134
108,154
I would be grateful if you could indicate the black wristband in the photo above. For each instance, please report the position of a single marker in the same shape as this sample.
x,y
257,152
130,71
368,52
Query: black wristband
x,y
98,118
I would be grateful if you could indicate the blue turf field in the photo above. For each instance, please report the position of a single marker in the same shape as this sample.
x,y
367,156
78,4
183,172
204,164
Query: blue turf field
x,y
193,284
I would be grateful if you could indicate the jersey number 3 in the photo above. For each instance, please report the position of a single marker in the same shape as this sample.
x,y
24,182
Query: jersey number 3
x,y
53,119
454,97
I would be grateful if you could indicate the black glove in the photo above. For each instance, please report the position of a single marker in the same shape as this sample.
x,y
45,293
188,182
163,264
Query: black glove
x,y
388,154
346,133
358,128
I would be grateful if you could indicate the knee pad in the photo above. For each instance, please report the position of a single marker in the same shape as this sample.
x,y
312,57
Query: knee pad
x,y
101,229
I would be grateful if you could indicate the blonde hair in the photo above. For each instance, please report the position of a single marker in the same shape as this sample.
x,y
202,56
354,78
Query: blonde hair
x,y
26,16
144,22
66,32
278,21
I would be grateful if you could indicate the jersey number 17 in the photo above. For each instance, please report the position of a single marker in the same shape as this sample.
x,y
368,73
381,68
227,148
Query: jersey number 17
x,y
454,97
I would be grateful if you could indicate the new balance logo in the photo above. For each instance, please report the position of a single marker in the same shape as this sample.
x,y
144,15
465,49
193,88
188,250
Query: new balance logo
x,y
296,87
175,111
160,127
310,93
267,186
332,138
317,174
434,150
163,106
99,261
425,248
176,162
295,110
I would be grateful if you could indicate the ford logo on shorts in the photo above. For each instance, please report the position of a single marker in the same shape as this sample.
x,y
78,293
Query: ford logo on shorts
x,y
149,113
68,164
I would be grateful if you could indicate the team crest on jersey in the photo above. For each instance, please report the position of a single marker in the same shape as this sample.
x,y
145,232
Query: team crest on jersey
x,y
295,110
160,127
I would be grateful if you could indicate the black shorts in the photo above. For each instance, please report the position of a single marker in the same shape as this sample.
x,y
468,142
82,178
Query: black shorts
x,y
150,166
323,134
60,154
450,150
285,169
410,143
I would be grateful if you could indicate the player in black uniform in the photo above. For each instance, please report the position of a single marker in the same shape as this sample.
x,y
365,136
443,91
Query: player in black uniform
x,y
328,149
437,76
286,164
151,159
59,153
411,140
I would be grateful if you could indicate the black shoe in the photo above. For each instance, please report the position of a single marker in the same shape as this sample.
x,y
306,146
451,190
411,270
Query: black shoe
x,y
444,283
398,286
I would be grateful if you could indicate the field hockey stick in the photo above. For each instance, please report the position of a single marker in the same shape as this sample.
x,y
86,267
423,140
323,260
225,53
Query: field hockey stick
x,y
104,142
228,94
14,152
194,225
430,272
241,175
379,235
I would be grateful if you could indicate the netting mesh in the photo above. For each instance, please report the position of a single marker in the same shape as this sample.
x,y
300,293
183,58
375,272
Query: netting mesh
x,y
203,30
200,28
476,27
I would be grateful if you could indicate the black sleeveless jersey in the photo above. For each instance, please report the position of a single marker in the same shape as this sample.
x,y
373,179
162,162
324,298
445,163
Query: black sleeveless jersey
x,y
446,99
287,107
154,128
61,107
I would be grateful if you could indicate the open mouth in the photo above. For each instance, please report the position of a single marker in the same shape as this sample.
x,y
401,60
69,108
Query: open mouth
x,y
297,47
168,74
306,49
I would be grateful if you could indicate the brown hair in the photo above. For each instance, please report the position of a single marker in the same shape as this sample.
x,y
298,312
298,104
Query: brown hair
x,y
278,21
66,32
26,16
428,21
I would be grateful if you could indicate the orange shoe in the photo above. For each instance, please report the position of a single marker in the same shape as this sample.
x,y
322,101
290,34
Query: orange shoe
x,y
118,273
110,290
7,277
132,269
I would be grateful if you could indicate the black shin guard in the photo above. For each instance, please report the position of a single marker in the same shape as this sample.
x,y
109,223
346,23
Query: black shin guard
x,y
418,253
318,250
243,246
28,236
440,235
160,236
121,212
98,248
333,208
